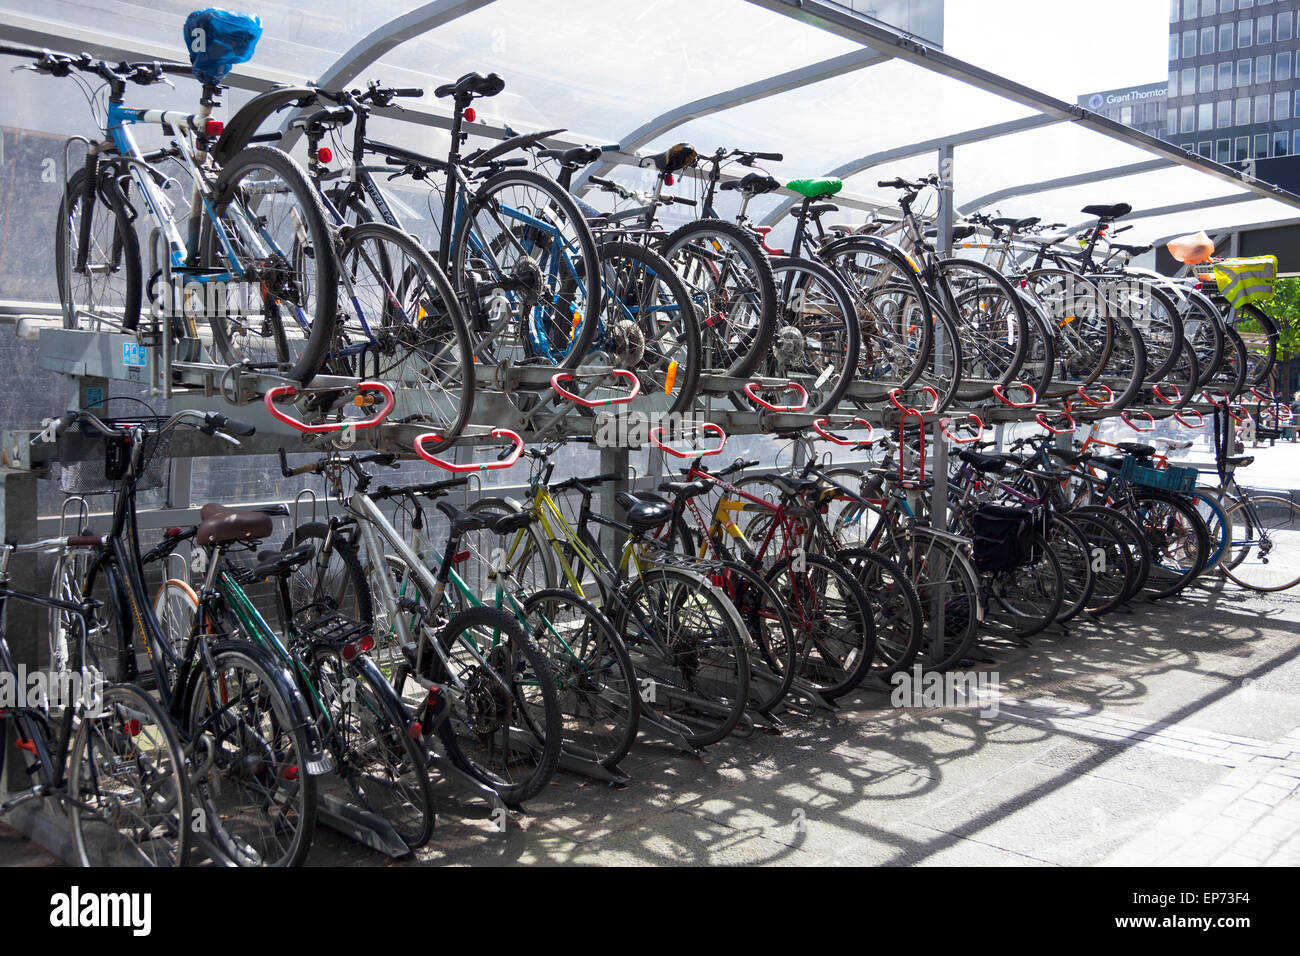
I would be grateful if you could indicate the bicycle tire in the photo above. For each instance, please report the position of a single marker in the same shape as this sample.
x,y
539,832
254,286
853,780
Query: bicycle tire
x,y
123,249
1249,534
895,605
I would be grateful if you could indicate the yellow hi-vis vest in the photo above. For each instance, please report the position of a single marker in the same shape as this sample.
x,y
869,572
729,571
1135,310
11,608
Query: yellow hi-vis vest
x,y
1246,280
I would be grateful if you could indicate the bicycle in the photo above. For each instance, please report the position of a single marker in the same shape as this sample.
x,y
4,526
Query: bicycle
x,y
112,758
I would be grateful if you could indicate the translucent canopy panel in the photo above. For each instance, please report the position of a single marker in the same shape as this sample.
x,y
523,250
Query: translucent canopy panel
x,y
820,126
601,68
302,39
1210,217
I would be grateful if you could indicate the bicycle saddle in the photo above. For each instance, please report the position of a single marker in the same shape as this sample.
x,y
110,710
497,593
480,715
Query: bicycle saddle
x,y
1017,224
472,84
686,489
675,157
789,485
462,520
271,564
984,463
1073,457
1132,250
510,523
221,525
753,183
819,209
1137,448
643,515
815,188
1108,212
574,157
1241,461
958,232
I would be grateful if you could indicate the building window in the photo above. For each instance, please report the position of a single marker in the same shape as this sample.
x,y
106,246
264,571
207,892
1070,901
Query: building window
x,y
1188,82
1223,151
1207,39
1243,72
1282,66
1241,111
1225,37
1283,26
1189,43
1241,149
1173,83
1205,116
1207,8
1261,107
1225,76
1173,10
1204,148
1187,119
1226,6
1223,114
1244,30
1282,105
1173,46
1206,83
1263,69
1260,150
1189,9
1126,115
1281,143
1264,30
1245,4
1171,122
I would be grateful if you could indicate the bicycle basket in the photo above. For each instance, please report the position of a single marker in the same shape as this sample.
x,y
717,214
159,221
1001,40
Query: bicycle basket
x,y
1003,537
1174,478
218,39
102,475
1247,280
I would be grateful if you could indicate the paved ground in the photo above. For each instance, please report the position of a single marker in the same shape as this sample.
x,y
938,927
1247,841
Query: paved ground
x,y
1171,737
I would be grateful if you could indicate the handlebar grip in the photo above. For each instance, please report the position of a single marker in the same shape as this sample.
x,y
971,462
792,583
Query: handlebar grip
x,y
771,157
413,91
231,426
299,470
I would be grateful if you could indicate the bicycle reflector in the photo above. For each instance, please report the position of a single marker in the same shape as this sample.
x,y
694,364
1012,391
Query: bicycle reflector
x,y
353,649
213,128
324,154
471,114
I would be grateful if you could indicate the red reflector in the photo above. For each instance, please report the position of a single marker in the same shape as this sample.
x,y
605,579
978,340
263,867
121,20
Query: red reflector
x,y
324,154
668,179
28,745
460,556
367,642
434,691
415,730
171,532
470,114
350,651
290,772
131,728
213,128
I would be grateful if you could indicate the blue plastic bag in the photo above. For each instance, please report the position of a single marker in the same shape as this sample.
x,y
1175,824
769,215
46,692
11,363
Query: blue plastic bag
x,y
218,39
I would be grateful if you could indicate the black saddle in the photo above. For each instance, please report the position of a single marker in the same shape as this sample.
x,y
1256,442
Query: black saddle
x,y
643,515
471,85
271,564
1108,212
984,463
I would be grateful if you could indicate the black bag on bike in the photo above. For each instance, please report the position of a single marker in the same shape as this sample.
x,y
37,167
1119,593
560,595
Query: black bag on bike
x,y
1004,537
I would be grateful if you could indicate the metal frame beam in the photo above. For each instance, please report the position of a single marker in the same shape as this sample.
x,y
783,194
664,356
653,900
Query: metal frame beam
x,y
1174,208
844,22
749,93
1062,182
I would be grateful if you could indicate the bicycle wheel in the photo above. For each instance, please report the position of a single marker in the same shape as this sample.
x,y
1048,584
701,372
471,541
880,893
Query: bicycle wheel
x,y
175,604
505,726
1082,330
1126,369
1265,551
834,625
687,645
815,341
598,692
1155,315
1210,506
1203,327
104,287
732,285
399,321
1029,599
256,796
947,588
268,231
647,326
1260,361
1111,562
524,557
339,584
384,766
1039,366
519,244
1072,551
895,605
943,367
130,802
772,646
895,320
1177,537
992,325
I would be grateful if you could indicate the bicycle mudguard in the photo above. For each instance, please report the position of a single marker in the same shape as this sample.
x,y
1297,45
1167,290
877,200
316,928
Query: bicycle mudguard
x,y
248,119
386,697
319,760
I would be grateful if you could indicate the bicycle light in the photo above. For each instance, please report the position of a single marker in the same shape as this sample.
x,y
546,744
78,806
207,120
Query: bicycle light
x,y
213,128
324,154
471,114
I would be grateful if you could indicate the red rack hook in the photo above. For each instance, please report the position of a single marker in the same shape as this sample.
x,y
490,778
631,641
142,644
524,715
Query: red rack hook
x,y
1123,416
1046,422
819,426
1082,392
951,436
599,402
752,387
1159,396
1265,396
284,391
1000,394
486,466
1217,403
1200,419
895,394
706,428
762,241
